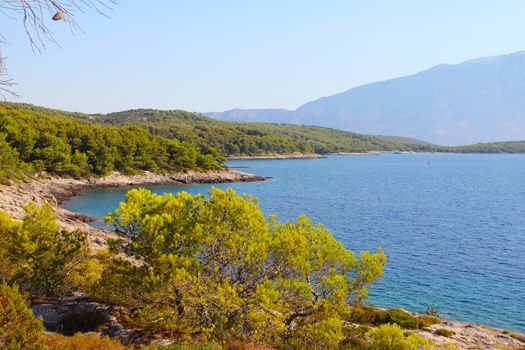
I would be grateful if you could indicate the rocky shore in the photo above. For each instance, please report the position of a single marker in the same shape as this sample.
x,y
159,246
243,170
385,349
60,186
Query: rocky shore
x,y
370,153
56,190
279,156
471,336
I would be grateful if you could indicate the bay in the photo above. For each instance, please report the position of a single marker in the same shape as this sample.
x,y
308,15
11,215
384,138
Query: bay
x,y
452,226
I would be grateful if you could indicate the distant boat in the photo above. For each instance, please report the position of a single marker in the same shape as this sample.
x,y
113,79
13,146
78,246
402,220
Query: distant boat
x,y
396,152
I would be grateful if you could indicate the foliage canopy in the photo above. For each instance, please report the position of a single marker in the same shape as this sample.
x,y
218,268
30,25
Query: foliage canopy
x,y
61,145
214,266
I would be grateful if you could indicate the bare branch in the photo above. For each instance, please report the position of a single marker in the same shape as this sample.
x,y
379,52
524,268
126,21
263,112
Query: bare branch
x,y
36,14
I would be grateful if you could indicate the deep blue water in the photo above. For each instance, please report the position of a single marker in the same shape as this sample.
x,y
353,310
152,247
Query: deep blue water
x,y
453,226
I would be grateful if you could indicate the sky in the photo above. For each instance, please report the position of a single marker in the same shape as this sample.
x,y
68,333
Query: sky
x,y
215,55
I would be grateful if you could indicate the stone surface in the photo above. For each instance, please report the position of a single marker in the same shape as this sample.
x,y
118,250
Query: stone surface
x,y
70,315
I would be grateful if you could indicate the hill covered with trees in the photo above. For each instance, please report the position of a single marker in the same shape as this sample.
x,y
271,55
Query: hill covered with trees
x,y
256,138
245,138
80,145
36,139
238,138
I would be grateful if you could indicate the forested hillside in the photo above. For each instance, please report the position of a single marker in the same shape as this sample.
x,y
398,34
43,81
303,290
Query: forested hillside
x,y
250,138
75,144
240,138
35,139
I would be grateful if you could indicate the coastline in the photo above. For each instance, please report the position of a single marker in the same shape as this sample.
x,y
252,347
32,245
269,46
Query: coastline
x,y
55,190
278,156
468,335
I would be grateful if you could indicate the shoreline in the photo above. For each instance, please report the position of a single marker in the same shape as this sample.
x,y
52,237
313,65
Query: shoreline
x,y
469,335
56,190
278,156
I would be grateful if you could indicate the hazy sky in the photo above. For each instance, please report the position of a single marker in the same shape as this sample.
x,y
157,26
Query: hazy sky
x,y
219,54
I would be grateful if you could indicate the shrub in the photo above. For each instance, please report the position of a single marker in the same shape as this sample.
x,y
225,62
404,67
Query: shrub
x,y
377,317
41,256
517,336
445,332
19,329
366,315
391,337
326,334
401,318
8,229
355,337
81,342
427,321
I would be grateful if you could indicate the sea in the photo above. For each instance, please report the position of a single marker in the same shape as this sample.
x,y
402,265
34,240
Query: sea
x,y
452,225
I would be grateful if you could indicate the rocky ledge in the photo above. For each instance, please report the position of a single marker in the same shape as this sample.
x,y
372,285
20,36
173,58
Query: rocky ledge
x,y
459,335
55,190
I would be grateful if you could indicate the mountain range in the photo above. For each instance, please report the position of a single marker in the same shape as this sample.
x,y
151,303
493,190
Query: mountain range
x,y
481,100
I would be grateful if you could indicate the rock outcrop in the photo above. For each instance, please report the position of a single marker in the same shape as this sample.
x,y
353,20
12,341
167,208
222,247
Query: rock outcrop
x,y
79,314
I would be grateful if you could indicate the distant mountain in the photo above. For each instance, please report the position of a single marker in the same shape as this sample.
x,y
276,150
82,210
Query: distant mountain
x,y
482,100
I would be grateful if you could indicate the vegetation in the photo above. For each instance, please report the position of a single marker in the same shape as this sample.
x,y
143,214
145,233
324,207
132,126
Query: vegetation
x,y
391,337
249,138
39,256
496,147
206,270
34,141
243,138
74,144
377,317
19,329
426,320
80,341
445,332
210,272
214,267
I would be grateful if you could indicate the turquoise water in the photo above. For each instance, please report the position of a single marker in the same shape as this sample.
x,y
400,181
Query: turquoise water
x,y
453,226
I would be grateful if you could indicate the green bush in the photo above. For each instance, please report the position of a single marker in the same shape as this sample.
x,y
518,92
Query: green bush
x,y
391,337
42,258
355,337
19,329
445,332
401,318
366,315
377,317
43,254
427,321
